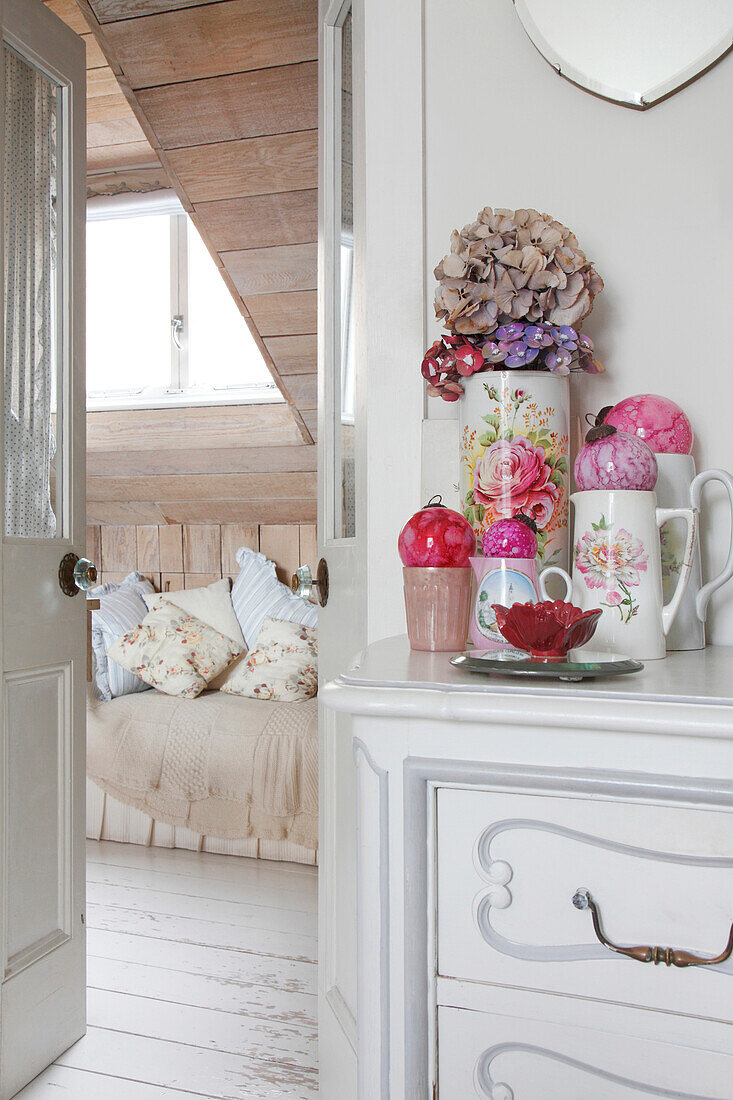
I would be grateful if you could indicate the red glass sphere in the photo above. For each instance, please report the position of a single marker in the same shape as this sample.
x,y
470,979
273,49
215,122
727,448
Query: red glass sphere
x,y
437,536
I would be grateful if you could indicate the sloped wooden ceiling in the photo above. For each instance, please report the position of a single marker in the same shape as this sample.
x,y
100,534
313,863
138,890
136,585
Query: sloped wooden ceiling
x,y
225,94
119,156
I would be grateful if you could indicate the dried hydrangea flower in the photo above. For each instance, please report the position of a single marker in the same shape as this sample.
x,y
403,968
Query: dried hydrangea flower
x,y
513,265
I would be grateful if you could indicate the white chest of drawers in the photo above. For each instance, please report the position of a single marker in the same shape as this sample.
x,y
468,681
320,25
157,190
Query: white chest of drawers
x,y
511,835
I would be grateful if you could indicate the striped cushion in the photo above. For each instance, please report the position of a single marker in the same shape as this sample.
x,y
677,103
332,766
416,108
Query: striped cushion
x,y
121,610
257,594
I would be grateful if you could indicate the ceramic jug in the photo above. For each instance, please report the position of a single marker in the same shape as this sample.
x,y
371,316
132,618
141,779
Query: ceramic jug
x,y
677,487
617,566
505,581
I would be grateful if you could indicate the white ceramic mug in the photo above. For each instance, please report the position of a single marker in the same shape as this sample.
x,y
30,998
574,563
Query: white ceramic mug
x,y
617,566
678,486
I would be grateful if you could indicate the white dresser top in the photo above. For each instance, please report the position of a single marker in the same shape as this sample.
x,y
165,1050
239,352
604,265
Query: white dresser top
x,y
390,678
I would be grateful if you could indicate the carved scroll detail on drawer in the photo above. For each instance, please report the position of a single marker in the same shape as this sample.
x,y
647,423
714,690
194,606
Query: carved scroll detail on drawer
x,y
501,1090
498,873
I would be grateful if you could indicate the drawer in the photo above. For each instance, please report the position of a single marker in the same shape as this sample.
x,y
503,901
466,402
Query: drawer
x,y
511,1058
510,865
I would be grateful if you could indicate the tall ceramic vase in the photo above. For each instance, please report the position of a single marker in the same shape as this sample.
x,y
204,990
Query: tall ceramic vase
x,y
514,428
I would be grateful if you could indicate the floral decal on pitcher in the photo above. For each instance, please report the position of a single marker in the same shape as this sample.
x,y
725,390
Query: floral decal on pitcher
x,y
516,464
614,562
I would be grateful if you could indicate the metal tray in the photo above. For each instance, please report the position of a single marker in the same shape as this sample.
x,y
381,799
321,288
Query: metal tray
x,y
513,662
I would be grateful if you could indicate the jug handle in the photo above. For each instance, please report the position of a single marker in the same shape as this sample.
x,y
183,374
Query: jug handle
x,y
703,597
556,571
689,515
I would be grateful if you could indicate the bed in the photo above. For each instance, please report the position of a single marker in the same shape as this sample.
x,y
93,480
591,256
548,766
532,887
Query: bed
x,y
220,773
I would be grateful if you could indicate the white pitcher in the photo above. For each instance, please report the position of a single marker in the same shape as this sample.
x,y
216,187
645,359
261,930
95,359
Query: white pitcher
x,y
617,566
676,487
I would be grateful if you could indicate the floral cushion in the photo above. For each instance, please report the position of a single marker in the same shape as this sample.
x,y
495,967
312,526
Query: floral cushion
x,y
173,652
211,604
283,666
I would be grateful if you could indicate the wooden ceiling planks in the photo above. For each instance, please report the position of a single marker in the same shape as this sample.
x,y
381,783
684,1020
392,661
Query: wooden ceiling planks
x,y
226,94
254,166
278,100
268,270
116,141
290,314
213,40
261,221
109,10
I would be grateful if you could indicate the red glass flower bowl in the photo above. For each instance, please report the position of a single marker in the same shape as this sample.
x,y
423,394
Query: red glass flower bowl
x,y
548,630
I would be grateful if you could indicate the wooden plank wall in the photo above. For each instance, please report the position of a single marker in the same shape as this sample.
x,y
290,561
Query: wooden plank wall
x,y
226,94
221,465
176,556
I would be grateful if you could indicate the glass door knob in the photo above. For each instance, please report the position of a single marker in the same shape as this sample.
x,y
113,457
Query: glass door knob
x,y
76,574
303,582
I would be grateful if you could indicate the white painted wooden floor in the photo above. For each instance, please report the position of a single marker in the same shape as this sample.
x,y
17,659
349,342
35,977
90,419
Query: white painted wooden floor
x,y
202,980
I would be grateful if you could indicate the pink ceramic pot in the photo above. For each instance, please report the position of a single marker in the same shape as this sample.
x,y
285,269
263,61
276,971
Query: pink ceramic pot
x,y
438,606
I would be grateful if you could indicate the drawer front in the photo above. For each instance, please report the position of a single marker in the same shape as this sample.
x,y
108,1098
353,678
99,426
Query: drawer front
x,y
508,1058
510,865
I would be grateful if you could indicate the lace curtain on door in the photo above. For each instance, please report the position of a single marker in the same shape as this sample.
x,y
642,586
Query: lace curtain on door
x,y
30,261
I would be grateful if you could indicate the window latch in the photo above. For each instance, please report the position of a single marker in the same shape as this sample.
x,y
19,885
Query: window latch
x,y
177,331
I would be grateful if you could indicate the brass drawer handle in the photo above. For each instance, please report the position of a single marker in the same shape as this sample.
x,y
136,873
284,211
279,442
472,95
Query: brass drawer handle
x,y
667,955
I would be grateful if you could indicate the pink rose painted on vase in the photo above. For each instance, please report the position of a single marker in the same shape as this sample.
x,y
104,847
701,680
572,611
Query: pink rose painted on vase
x,y
515,476
614,561
514,456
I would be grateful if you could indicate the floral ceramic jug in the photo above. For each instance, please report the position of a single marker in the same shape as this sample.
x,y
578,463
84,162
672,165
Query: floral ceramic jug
x,y
617,566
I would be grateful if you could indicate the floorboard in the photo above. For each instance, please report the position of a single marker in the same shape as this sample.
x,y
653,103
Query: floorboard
x,y
201,980
204,991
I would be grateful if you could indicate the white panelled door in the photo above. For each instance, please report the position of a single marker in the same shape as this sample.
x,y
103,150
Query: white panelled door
x,y
43,631
341,519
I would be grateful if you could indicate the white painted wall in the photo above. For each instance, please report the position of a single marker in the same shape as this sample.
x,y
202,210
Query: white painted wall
x,y
649,195
395,307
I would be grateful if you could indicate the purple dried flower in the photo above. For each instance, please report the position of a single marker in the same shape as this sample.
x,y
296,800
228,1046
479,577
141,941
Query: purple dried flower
x,y
565,337
510,332
559,361
536,336
492,353
520,355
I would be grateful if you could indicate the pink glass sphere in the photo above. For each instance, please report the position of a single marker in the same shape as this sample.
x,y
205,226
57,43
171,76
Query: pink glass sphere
x,y
437,536
616,460
658,421
510,538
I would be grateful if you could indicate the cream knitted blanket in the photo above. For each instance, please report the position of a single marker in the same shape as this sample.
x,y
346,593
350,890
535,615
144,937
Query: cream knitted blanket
x,y
221,765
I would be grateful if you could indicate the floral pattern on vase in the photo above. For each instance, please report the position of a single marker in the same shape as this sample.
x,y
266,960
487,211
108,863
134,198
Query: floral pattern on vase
x,y
614,561
514,458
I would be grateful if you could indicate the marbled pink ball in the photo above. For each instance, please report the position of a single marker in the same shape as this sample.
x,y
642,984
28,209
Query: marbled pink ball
x,y
437,536
618,461
509,538
658,421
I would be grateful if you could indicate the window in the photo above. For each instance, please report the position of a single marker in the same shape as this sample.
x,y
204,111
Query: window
x,y
162,326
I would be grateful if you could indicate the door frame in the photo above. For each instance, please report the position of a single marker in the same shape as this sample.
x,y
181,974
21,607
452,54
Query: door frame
x,y
390,323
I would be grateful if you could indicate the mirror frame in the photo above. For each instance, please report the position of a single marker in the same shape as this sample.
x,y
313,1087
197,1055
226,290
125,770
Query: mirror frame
x,y
641,99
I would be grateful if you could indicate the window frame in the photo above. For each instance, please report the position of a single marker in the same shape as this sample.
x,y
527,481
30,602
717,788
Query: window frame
x,y
178,393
